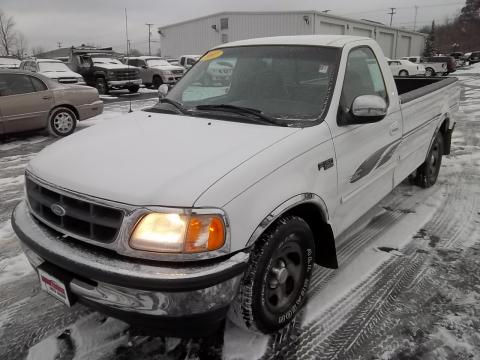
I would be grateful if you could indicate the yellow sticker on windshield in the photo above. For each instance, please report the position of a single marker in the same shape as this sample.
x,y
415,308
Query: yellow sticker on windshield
x,y
212,55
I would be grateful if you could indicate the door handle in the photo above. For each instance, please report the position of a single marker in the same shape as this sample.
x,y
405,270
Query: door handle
x,y
46,97
394,128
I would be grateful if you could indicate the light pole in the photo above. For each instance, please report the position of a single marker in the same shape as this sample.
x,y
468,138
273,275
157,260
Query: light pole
x,y
149,38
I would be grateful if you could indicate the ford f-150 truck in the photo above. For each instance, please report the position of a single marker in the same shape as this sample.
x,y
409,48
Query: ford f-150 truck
x,y
222,197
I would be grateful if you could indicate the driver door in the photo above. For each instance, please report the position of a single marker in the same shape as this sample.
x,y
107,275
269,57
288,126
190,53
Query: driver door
x,y
366,153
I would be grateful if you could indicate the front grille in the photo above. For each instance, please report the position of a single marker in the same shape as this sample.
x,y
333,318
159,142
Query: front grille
x,y
82,219
177,72
68,80
126,75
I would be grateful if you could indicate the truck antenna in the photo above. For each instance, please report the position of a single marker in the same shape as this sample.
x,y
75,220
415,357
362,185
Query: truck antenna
x,y
128,55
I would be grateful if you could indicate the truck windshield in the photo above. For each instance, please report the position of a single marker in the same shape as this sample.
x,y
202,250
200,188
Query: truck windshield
x,y
106,61
53,66
157,62
285,82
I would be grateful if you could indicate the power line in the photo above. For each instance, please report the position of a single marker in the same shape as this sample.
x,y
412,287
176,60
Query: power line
x,y
407,7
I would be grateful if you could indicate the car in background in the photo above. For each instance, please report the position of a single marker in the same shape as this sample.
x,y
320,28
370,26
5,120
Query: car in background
x,y
449,60
155,71
458,56
9,62
474,57
187,61
31,101
406,68
54,69
431,68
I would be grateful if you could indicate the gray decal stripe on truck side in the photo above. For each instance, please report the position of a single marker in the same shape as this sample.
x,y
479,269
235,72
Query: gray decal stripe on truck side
x,y
377,159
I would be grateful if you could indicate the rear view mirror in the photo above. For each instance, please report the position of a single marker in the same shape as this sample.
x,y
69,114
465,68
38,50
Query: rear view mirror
x,y
162,91
368,109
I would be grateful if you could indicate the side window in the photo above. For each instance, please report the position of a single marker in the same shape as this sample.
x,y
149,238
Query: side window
x,y
133,62
141,63
363,76
15,84
38,84
191,61
182,60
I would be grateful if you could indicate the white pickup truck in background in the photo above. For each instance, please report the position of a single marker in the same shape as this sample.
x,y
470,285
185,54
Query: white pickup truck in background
x,y
222,197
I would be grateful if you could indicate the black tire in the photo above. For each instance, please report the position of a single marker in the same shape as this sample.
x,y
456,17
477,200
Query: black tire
x,y
62,122
429,72
134,89
101,85
426,175
156,82
403,73
274,286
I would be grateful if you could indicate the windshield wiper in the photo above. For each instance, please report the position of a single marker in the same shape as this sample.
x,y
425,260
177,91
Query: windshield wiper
x,y
177,104
260,117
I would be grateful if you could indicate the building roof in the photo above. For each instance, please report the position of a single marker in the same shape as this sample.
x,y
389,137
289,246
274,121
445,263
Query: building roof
x,y
300,12
315,40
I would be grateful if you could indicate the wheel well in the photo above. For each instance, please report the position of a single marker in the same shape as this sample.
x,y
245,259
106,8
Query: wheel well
x,y
325,251
75,111
447,136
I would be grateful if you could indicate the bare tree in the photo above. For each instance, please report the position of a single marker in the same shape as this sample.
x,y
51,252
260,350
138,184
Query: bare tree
x,y
21,45
7,33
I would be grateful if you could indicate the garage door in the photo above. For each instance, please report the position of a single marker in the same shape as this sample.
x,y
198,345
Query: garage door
x,y
331,29
385,40
404,46
361,32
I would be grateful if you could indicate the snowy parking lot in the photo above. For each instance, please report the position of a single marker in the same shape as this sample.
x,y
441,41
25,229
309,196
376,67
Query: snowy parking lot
x,y
408,286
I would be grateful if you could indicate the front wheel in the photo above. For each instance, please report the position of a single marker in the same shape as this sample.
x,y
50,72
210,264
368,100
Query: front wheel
x,y
429,72
134,89
101,85
426,175
62,122
274,286
157,81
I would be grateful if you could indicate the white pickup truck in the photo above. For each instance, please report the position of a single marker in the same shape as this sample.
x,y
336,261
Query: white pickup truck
x,y
221,198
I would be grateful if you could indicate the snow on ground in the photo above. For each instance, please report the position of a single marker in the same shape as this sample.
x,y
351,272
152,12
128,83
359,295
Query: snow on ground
x,y
407,288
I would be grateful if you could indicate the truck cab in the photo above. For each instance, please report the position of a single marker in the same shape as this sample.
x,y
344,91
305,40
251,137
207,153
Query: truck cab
x,y
102,70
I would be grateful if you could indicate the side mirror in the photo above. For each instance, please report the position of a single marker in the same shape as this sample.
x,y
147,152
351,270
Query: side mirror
x,y
162,91
368,109
144,67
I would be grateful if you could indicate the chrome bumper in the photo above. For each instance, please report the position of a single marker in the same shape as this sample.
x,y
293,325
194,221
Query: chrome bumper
x,y
125,82
158,290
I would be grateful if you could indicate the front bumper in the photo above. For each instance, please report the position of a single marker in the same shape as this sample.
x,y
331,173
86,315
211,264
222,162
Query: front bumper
x,y
124,83
172,298
171,79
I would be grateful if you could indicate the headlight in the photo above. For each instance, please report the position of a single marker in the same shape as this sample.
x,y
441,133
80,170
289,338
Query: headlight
x,y
80,80
167,73
177,233
111,73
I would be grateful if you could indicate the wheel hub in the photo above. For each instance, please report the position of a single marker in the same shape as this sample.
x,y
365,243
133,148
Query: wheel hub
x,y
279,275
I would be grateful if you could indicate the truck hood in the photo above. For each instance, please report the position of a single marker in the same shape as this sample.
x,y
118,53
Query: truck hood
x,y
153,159
167,67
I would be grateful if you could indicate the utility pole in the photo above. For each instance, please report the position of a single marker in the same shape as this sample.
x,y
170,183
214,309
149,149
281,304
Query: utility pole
x,y
149,38
391,13
415,21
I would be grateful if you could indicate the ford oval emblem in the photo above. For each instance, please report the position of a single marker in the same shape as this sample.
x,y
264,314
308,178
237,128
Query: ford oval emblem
x,y
58,209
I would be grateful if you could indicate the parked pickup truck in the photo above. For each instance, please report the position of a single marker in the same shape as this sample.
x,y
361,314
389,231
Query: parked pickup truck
x,y
155,71
433,65
221,198
101,70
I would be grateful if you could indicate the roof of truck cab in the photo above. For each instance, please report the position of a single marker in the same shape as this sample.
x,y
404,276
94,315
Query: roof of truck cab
x,y
309,40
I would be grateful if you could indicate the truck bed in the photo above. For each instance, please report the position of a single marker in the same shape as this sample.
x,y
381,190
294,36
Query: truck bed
x,y
413,88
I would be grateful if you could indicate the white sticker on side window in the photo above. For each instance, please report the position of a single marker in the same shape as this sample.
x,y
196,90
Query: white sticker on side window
x,y
323,69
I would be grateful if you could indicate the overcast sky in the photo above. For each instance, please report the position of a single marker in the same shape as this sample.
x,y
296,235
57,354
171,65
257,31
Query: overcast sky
x,y
102,22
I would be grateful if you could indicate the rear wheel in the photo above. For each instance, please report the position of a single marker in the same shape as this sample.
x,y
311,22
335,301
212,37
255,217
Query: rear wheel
x,y
274,286
403,73
62,122
429,72
426,175
101,85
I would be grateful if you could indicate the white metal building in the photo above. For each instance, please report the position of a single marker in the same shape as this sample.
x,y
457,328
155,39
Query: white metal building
x,y
198,35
